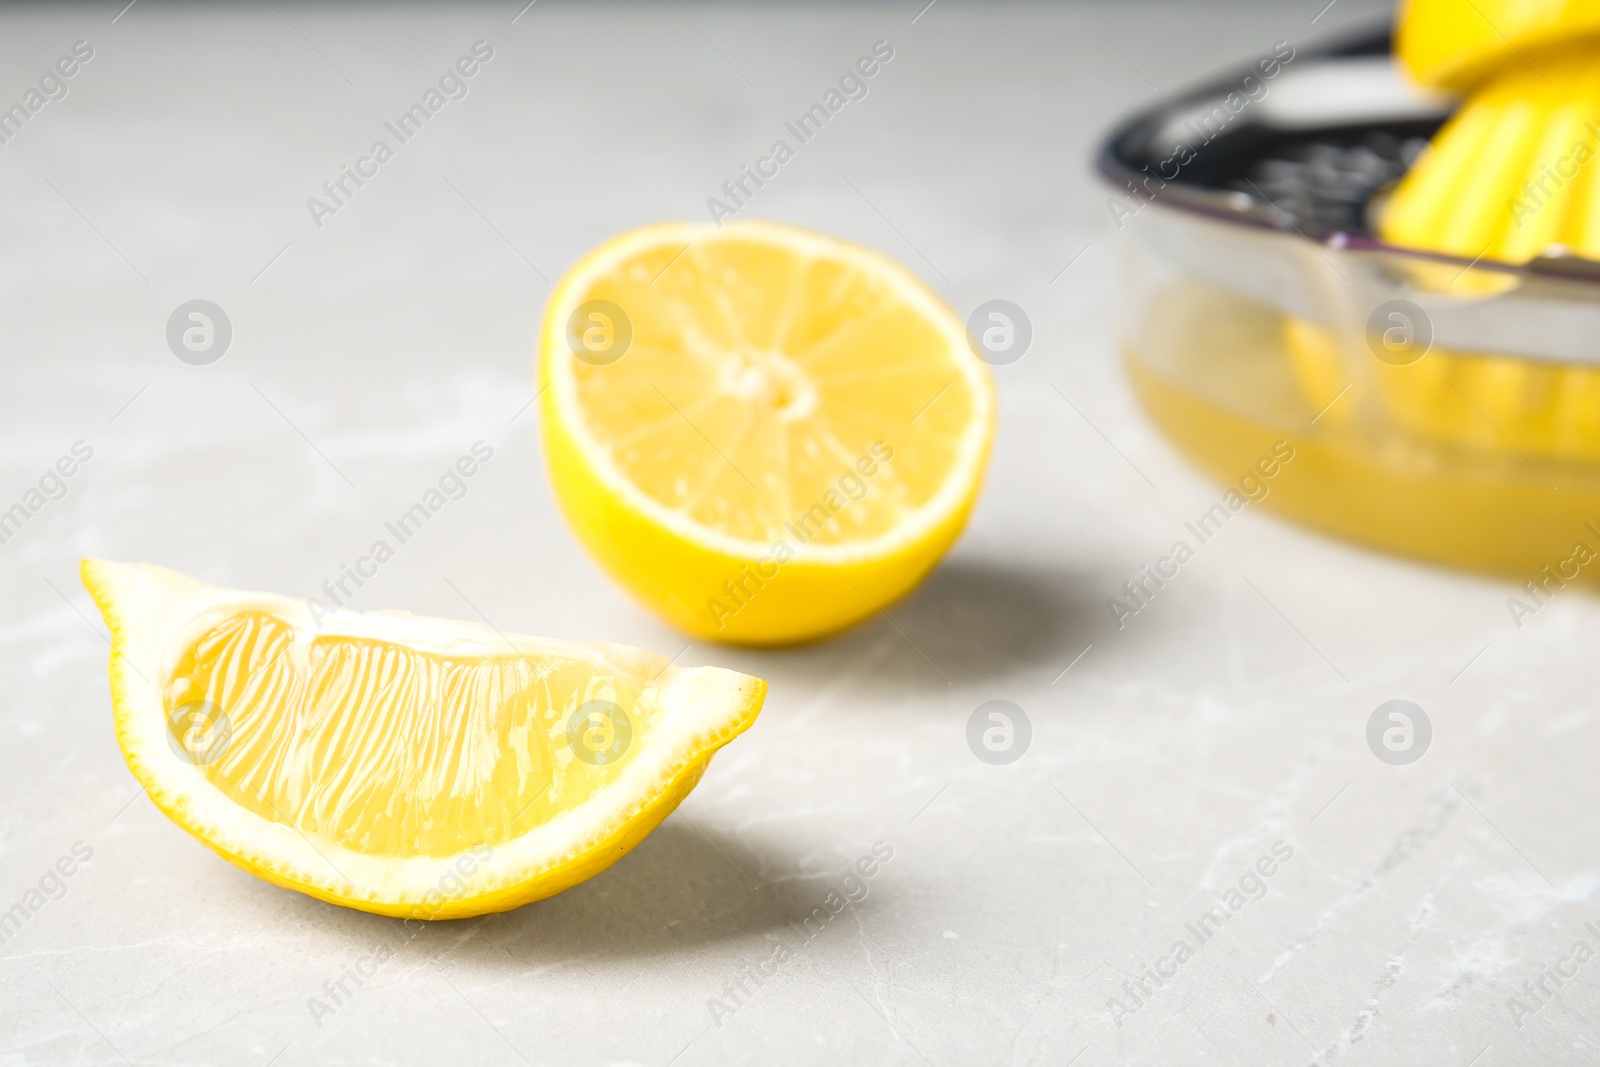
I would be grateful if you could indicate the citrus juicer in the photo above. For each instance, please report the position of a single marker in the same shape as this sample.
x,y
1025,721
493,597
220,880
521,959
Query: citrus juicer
x,y
1507,179
1302,269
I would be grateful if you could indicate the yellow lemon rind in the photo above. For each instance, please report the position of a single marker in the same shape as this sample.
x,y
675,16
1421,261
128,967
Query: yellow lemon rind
x,y
149,609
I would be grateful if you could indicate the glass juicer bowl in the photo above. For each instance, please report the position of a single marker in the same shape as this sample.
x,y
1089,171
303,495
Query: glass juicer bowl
x,y
1440,408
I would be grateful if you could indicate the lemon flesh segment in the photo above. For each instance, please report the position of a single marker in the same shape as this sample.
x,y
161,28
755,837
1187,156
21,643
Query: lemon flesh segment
x,y
794,435
402,765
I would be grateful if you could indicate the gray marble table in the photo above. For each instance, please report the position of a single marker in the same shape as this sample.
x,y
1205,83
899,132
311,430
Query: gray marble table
x,y
1219,736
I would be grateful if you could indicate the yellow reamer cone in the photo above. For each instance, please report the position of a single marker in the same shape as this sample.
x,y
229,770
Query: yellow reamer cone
x,y
1511,177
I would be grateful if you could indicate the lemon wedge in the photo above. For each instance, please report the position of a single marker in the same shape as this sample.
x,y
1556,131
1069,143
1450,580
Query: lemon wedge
x,y
764,433
402,765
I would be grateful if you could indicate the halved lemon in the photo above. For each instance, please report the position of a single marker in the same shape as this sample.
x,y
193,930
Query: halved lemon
x,y
402,765
764,433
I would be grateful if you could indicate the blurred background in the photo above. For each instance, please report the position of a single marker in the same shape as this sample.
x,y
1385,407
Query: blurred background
x,y
1170,754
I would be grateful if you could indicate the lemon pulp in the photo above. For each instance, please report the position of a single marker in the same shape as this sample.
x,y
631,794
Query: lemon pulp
x,y
388,750
758,377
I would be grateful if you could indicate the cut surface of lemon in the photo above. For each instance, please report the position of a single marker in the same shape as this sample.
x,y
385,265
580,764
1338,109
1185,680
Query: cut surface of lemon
x,y
404,765
762,432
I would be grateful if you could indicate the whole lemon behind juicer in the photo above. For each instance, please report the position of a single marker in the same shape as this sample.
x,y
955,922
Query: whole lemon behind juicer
x,y
1511,177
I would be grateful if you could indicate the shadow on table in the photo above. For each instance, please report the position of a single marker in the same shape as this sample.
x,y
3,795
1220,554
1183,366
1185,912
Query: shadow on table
x,y
970,621
677,892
